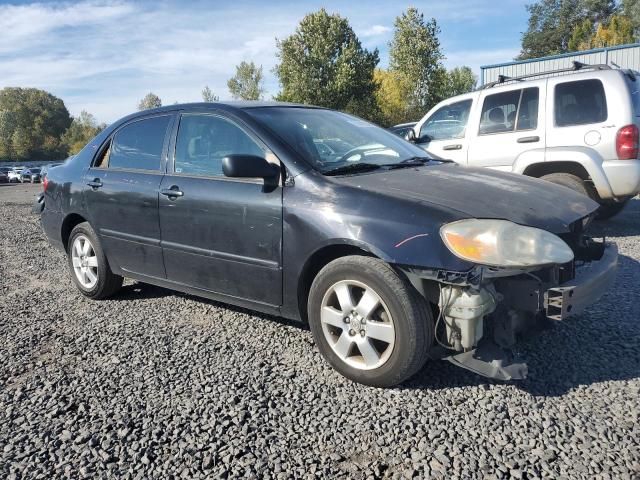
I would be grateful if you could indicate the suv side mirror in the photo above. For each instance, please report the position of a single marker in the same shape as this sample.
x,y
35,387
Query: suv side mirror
x,y
410,136
249,166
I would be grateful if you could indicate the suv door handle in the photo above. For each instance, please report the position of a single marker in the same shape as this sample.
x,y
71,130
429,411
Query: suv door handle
x,y
95,183
532,139
457,146
174,191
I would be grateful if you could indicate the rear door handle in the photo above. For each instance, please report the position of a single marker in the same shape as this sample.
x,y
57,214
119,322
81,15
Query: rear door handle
x,y
95,183
457,146
532,139
174,191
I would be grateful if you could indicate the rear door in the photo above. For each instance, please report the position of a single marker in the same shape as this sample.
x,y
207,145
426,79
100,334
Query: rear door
x,y
121,194
510,124
220,234
444,131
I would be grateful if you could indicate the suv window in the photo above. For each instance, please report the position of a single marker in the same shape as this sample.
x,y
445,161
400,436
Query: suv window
x,y
204,140
510,111
580,103
138,145
446,123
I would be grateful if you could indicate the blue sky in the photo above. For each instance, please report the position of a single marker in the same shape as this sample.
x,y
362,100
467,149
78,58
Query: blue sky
x,y
103,56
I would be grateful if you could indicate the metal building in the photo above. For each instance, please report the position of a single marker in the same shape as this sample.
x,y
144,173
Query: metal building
x,y
624,56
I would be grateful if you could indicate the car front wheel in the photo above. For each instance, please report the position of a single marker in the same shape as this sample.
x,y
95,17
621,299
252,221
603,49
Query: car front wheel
x,y
89,267
368,322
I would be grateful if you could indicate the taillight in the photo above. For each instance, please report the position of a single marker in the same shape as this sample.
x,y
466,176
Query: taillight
x,y
45,182
627,143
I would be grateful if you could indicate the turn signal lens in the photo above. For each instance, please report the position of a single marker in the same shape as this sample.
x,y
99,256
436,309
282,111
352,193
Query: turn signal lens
x,y
501,243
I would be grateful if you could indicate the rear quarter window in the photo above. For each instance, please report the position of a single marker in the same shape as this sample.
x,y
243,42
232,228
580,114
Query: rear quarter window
x,y
634,90
580,103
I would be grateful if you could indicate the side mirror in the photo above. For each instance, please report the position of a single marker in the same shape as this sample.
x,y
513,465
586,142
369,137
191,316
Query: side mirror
x,y
410,136
249,166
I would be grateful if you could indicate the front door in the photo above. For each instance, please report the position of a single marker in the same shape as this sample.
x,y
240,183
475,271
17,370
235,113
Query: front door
x,y
220,234
121,194
444,132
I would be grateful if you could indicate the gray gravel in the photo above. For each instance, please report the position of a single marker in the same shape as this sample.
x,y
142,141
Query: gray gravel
x,y
154,384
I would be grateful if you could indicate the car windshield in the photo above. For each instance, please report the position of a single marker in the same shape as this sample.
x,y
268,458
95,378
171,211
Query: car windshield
x,y
334,142
35,170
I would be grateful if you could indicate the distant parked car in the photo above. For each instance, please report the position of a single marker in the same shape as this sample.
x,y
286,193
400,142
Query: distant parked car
x,y
579,130
402,128
32,175
14,174
4,178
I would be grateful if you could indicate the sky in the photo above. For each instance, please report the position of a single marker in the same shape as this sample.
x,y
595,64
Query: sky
x,y
104,56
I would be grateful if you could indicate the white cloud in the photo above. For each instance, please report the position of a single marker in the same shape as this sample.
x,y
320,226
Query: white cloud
x,y
375,31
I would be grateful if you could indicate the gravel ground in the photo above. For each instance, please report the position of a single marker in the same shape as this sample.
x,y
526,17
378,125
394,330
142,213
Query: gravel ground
x,y
155,384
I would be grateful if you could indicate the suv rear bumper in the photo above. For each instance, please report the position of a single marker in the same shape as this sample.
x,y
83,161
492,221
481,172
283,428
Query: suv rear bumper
x,y
623,176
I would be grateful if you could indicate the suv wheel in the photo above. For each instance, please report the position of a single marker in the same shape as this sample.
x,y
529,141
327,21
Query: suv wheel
x,y
570,181
368,322
90,270
610,209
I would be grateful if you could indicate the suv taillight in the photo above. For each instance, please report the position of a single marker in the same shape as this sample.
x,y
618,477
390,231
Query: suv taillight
x,y
45,182
627,143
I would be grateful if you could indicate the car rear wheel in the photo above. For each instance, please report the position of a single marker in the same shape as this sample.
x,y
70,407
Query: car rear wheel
x,y
368,322
89,267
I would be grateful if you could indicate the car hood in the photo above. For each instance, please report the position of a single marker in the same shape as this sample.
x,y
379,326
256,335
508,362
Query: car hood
x,y
481,193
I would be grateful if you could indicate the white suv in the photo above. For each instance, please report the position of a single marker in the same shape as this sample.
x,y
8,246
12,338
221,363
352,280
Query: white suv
x,y
579,130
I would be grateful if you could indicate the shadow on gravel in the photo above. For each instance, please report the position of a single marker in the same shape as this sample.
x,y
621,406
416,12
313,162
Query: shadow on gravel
x,y
625,224
599,345
143,291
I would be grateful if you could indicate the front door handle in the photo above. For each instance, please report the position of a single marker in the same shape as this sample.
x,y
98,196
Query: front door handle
x,y
95,183
532,139
457,146
174,191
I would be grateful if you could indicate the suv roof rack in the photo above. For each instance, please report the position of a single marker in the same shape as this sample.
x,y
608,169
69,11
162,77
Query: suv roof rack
x,y
576,66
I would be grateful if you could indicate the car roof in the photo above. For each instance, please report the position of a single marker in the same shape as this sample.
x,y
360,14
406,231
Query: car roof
x,y
228,106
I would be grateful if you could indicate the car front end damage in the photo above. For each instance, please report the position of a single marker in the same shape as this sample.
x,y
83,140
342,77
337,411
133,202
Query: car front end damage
x,y
483,312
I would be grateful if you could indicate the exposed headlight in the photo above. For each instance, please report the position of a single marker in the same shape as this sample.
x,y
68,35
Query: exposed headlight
x,y
501,243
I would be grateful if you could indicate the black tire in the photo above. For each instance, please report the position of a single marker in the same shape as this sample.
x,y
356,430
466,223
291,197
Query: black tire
x,y
610,209
412,319
570,181
108,283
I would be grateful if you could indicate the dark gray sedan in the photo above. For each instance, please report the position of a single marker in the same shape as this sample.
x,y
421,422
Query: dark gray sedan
x,y
390,255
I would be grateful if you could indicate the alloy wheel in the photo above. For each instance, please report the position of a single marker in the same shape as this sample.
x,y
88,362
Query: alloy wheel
x,y
357,325
85,262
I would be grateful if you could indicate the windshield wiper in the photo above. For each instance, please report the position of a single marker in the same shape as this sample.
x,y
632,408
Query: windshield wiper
x,y
353,168
410,162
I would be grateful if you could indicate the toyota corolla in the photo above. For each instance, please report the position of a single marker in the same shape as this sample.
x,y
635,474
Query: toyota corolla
x,y
391,255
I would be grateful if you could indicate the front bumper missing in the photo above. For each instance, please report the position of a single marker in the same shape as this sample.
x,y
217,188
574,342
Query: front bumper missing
x,y
591,282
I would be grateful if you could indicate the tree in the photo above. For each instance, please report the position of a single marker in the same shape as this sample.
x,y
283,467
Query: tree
x,y
83,128
150,100
208,95
458,81
391,96
618,31
631,10
415,55
32,122
582,36
323,63
247,83
552,24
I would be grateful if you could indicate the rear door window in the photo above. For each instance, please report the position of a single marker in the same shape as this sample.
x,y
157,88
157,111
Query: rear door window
x,y
580,103
446,123
138,145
